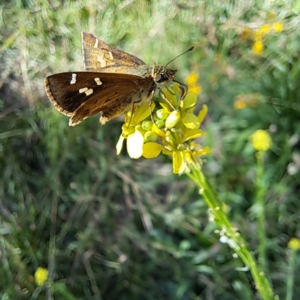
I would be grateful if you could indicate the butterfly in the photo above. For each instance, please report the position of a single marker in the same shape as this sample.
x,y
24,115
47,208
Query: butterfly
x,y
114,82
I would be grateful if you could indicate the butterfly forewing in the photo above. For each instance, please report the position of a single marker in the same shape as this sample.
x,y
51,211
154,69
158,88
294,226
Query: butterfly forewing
x,y
101,57
83,94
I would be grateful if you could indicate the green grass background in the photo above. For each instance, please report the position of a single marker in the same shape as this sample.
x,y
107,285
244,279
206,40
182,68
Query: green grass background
x,y
108,227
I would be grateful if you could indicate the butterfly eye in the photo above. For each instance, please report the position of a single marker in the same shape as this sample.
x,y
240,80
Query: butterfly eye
x,y
158,78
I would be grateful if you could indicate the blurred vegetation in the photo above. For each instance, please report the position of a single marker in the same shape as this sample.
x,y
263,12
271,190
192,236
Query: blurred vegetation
x,y
107,227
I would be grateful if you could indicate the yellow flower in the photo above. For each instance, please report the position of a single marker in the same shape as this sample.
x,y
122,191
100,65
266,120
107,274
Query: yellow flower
x,y
258,47
41,276
266,28
245,100
133,131
192,83
170,128
261,140
294,244
192,79
239,104
258,35
271,16
277,27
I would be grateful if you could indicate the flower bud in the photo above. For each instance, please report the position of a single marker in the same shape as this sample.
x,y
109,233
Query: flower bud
x,y
146,125
162,114
173,118
160,123
150,136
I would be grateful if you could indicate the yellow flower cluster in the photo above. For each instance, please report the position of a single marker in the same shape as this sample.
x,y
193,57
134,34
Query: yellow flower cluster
x,y
245,100
261,140
41,276
169,127
258,35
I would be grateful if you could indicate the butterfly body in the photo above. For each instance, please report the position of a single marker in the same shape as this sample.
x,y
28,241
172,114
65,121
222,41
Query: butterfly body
x,y
113,83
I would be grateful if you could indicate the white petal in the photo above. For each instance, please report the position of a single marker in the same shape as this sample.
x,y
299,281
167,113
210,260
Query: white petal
x,y
135,143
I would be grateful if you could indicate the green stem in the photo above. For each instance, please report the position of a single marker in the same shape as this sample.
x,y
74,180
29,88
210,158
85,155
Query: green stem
x,y
237,243
260,209
291,275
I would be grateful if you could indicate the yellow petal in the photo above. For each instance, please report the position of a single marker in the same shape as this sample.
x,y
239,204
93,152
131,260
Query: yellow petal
x,y
192,134
135,143
190,121
189,101
157,130
152,150
119,145
203,151
178,162
166,106
202,113
142,112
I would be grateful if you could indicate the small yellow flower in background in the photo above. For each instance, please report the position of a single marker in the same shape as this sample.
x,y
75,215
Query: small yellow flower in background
x,y
278,27
245,100
294,244
192,83
261,140
239,104
257,35
258,47
41,276
264,29
192,79
271,16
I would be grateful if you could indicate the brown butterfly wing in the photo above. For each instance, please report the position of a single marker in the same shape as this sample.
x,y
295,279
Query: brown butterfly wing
x,y
101,57
83,94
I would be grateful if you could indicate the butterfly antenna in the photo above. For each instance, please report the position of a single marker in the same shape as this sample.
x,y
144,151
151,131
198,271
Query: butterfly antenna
x,y
180,55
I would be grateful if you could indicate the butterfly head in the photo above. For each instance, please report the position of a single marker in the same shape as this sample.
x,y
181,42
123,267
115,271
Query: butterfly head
x,y
164,77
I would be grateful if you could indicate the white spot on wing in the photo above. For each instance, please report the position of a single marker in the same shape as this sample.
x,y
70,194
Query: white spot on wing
x,y
110,55
83,90
73,80
98,81
101,61
96,43
89,92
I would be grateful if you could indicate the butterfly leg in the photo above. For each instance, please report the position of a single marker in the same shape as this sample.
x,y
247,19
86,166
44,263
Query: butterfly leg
x,y
150,104
132,112
166,99
183,88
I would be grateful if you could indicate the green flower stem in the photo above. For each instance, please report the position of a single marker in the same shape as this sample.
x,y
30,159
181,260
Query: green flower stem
x,y
237,243
291,275
260,209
